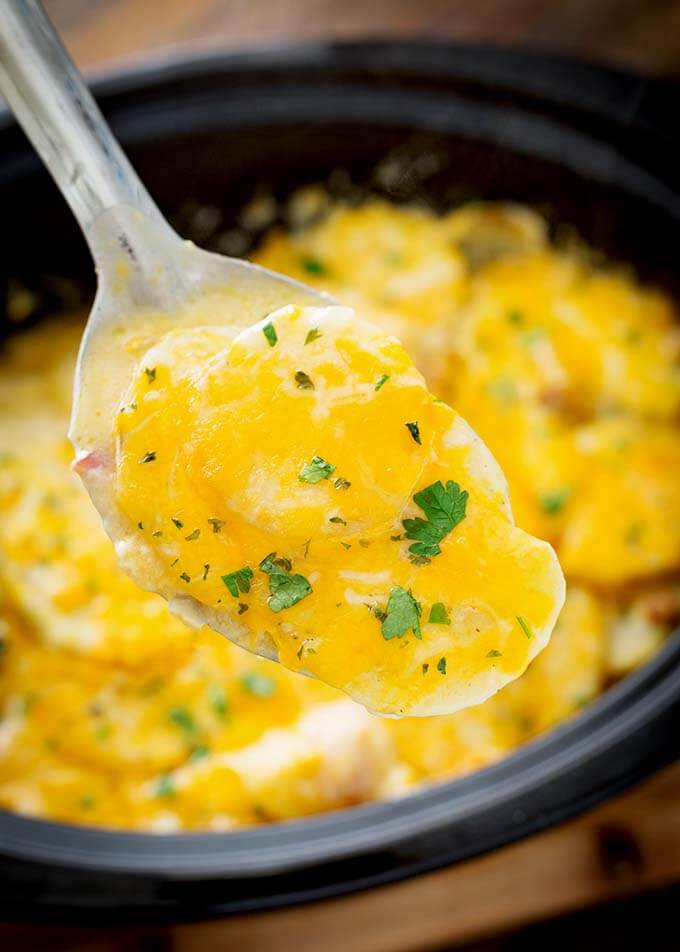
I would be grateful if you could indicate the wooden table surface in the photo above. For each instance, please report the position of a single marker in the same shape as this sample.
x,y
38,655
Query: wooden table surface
x,y
631,843
644,34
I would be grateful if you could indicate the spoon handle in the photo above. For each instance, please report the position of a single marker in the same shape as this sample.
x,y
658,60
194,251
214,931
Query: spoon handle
x,y
61,119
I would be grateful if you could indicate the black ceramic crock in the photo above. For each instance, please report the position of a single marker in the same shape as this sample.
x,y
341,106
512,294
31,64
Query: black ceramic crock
x,y
594,149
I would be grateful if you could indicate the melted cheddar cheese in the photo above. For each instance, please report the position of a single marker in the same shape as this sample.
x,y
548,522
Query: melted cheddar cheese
x,y
284,502
113,713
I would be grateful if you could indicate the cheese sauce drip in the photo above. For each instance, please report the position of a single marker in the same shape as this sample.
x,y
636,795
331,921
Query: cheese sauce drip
x,y
301,484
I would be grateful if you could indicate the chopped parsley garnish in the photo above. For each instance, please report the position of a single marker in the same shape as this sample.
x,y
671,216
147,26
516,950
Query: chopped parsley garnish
x,y
242,607
494,653
173,564
524,625
503,389
198,752
182,718
312,335
444,508
185,578
439,615
402,614
345,545
554,502
426,668
515,317
303,380
259,684
633,534
441,666
414,430
317,470
337,520
165,786
269,332
157,533
382,379
206,569
148,457
150,374
140,525
177,522
341,483
218,700
313,265
238,581
285,588
192,535
533,336
216,524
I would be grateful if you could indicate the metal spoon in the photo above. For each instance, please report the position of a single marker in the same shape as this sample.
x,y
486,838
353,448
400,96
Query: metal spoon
x,y
143,267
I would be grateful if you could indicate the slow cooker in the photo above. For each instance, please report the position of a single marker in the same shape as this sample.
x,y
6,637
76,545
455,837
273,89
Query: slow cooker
x,y
597,151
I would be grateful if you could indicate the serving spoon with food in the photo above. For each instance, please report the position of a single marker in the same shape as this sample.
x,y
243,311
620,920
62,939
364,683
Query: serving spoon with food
x,y
270,464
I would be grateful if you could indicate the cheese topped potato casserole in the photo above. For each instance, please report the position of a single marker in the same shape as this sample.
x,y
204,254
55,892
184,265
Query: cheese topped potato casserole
x,y
114,713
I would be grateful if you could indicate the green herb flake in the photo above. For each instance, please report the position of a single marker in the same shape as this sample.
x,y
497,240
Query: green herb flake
x,y
633,534
269,332
414,430
494,653
242,607
426,668
515,317
439,615
312,265
381,381
140,525
173,564
218,700
303,380
444,508
524,625
285,588
206,569
87,802
216,524
441,666
238,581
177,522
536,334
315,471
185,578
157,533
150,374
555,501
337,521
345,545
312,335
259,684
341,483
182,718
148,457
192,536
402,614
199,752
164,787
503,389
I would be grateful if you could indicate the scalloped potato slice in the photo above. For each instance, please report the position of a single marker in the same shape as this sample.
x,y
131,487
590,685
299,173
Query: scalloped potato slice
x,y
300,491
